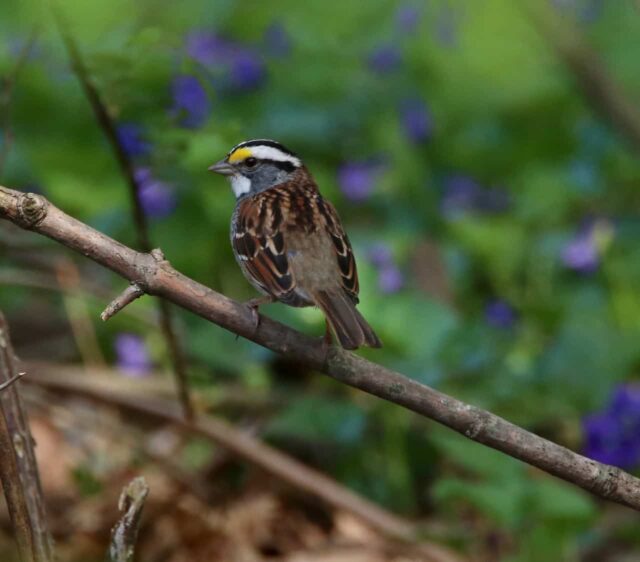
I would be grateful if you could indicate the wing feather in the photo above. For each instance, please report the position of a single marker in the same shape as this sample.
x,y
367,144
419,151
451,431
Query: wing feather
x,y
344,252
260,227
260,247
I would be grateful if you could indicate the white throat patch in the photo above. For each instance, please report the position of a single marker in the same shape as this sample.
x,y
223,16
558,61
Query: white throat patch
x,y
240,185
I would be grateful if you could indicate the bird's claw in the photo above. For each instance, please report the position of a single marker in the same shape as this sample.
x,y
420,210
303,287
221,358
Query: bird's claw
x,y
327,339
253,305
255,315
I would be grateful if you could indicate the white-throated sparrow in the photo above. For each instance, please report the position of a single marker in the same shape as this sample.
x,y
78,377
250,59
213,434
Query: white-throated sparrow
x,y
289,240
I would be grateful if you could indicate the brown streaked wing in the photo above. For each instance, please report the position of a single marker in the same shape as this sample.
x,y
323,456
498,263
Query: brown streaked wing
x,y
260,246
344,253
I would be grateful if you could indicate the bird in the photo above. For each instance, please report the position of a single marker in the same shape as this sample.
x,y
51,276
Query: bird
x,y
289,241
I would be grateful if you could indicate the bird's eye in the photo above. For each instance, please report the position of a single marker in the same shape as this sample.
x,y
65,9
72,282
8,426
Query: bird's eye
x,y
250,162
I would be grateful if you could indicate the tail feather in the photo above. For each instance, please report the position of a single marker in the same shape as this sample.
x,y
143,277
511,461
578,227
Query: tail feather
x,y
348,325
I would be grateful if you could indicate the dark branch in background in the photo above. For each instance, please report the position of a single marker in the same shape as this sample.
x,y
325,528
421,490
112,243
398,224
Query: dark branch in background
x,y
108,126
125,533
18,468
598,86
156,277
6,98
240,444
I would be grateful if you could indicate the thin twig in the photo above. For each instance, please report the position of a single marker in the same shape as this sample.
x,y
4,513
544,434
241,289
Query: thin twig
x,y
108,126
125,533
131,293
18,468
41,280
6,98
158,278
8,383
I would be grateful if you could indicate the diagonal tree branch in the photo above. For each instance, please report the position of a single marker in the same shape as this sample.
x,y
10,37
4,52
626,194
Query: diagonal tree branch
x,y
156,277
7,383
18,468
108,126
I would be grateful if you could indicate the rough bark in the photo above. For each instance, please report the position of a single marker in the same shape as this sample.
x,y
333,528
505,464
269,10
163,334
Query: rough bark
x,y
18,467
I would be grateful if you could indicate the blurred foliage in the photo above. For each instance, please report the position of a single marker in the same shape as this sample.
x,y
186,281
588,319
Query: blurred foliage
x,y
494,215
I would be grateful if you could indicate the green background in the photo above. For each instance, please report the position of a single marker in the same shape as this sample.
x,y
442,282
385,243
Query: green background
x,y
505,111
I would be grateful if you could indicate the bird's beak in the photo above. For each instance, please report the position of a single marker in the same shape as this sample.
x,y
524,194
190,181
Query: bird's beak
x,y
223,168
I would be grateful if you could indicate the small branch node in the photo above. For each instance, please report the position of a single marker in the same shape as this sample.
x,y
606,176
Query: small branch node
x,y
158,255
32,209
478,423
131,293
606,481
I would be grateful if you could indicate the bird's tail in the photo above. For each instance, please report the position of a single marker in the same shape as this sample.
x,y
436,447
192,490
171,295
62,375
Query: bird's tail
x,y
348,325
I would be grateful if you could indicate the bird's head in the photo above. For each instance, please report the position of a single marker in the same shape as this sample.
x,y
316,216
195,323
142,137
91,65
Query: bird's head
x,y
255,165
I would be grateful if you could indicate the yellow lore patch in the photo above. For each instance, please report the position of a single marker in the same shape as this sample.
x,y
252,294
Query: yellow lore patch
x,y
239,155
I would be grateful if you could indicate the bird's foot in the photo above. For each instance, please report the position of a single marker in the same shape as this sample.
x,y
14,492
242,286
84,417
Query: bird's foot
x,y
327,339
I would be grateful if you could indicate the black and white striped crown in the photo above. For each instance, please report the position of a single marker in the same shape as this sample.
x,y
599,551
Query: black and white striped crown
x,y
262,149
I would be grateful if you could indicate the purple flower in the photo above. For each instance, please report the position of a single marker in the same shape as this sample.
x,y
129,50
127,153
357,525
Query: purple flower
x,y
384,59
416,120
276,40
581,254
158,198
190,101
584,251
380,255
390,278
357,179
626,400
208,49
132,356
613,435
242,68
132,139
463,194
499,314
407,18
247,71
